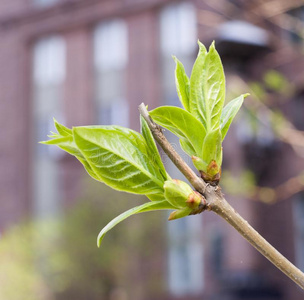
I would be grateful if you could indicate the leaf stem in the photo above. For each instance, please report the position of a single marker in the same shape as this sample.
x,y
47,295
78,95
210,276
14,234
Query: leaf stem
x,y
216,202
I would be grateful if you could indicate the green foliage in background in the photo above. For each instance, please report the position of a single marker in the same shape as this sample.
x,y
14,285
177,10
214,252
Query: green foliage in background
x,y
129,161
57,260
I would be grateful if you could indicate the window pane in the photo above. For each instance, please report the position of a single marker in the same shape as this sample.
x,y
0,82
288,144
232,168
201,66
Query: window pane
x,y
49,61
47,90
110,61
48,79
111,46
178,29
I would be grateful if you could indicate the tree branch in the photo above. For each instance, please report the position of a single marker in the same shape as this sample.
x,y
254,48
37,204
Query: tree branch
x,y
218,204
158,135
226,211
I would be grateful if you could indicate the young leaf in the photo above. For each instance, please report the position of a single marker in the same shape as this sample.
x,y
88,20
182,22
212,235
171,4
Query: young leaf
x,y
62,130
229,112
180,213
182,83
210,163
153,151
187,147
212,149
67,144
196,86
120,158
181,123
149,206
207,88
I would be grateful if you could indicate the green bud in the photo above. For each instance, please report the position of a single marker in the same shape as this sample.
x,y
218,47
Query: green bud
x,y
181,196
194,200
177,192
211,172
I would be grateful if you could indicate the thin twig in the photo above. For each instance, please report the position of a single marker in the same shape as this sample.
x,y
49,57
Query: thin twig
x,y
218,204
158,135
227,212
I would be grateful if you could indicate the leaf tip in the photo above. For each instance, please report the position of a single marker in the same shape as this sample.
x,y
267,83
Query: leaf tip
x,y
180,213
212,46
99,239
202,47
172,215
56,123
246,95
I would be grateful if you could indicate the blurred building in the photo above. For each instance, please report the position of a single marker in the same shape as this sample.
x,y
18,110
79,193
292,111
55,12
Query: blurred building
x,y
93,62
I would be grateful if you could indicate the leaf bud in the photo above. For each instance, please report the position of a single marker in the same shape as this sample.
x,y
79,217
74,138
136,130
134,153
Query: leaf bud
x,y
177,192
211,172
194,200
181,195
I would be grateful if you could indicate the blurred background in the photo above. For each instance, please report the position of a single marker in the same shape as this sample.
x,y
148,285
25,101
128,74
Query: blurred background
x,y
93,62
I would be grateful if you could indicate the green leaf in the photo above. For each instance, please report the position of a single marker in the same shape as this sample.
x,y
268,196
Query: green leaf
x,y
120,158
207,88
212,149
180,213
229,112
182,83
183,124
187,147
210,163
199,163
67,144
149,206
153,151
62,130
196,85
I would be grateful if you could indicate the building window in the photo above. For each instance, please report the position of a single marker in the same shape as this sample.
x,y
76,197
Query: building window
x,y
178,29
110,62
47,90
45,3
178,36
186,256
